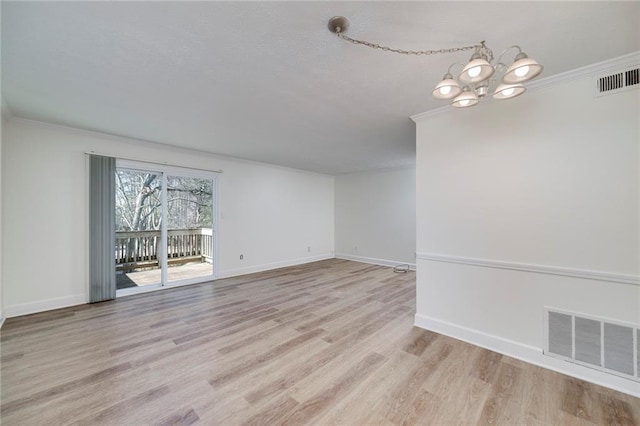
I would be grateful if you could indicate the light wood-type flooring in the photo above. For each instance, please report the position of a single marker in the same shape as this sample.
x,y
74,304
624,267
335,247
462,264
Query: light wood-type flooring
x,y
325,343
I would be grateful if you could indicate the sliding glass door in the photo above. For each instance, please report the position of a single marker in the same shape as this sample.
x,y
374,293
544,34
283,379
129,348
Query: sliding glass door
x,y
165,227
138,222
189,228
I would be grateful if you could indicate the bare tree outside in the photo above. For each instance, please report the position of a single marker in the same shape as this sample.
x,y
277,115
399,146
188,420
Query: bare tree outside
x,y
138,201
189,202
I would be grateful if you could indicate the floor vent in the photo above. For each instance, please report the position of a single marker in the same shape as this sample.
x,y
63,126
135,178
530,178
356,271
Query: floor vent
x,y
617,82
609,346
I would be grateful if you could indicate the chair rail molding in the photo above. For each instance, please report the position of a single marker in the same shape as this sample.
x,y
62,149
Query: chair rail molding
x,y
533,268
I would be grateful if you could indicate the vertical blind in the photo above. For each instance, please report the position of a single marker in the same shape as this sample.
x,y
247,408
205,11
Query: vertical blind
x,y
102,228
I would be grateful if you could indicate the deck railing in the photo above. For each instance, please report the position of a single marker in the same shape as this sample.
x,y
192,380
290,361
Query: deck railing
x,y
139,249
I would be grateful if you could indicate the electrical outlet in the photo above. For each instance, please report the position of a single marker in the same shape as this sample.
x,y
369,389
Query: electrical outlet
x,y
309,249
241,256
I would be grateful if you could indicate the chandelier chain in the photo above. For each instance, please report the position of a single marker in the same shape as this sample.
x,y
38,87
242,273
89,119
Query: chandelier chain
x,y
407,52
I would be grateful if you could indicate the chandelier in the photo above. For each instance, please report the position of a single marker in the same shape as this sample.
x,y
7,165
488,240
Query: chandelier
x,y
477,78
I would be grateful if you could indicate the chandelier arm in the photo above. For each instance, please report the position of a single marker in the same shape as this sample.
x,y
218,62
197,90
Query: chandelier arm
x,y
406,52
506,50
452,65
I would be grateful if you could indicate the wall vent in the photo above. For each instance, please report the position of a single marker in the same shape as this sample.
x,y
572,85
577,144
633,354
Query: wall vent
x,y
610,346
618,81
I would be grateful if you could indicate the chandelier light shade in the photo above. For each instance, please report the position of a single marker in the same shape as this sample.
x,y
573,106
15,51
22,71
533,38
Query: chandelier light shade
x,y
523,69
506,91
467,98
478,77
448,88
476,71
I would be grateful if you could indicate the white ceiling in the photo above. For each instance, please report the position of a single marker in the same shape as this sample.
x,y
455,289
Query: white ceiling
x,y
267,81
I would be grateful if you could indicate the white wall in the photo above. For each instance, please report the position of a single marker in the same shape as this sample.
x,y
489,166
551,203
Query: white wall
x,y
269,214
546,181
3,119
375,216
4,114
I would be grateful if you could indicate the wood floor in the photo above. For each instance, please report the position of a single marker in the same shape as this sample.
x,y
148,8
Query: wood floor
x,y
329,343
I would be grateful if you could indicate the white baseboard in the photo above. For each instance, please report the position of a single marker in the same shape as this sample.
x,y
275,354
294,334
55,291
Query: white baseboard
x,y
530,354
269,266
2,318
374,261
44,305
64,302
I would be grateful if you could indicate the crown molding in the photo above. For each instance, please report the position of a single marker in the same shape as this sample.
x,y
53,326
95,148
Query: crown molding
x,y
431,113
154,145
575,74
411,166
586,71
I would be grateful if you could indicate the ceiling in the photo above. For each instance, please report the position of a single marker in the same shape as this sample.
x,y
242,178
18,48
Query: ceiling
x,y
266,81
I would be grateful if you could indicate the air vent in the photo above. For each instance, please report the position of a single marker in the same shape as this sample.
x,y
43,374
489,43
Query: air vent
x,y
618,81
612,347
632,77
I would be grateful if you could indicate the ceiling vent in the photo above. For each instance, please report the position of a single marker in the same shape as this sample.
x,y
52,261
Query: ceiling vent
x,y
611,347
618,82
